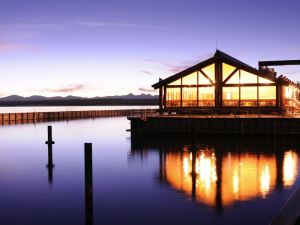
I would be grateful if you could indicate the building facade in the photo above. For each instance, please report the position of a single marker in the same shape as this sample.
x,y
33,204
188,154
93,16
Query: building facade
x,y
223,83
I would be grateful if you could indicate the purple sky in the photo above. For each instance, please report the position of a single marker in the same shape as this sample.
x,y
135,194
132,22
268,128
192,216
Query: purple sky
x,y
107,47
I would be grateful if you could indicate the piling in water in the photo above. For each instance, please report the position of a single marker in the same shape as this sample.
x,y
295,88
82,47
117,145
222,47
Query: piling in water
x,y
88,170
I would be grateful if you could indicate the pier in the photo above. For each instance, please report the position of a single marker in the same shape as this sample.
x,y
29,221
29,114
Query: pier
x,y
35,117
232,125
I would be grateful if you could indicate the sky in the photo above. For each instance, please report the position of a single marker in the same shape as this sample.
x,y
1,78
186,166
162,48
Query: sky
x,y
113,47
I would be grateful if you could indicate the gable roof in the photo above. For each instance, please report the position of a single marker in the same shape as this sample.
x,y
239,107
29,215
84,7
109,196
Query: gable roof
x,y
218,56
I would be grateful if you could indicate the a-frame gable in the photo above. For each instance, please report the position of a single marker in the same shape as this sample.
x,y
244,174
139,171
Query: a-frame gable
x,y
183,73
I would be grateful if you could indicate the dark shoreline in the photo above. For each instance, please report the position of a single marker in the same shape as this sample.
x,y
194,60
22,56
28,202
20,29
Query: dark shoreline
x,y
83,102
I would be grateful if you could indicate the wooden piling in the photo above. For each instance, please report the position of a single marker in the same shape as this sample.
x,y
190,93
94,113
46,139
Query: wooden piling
x,y
49,141
88,170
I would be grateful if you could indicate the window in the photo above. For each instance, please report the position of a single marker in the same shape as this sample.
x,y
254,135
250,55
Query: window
x,y
248,96
176,82
264,81
267,95
190,79
230,96
203,79
173,97
210,72
189,97
248,78
206,96
227,70
235,79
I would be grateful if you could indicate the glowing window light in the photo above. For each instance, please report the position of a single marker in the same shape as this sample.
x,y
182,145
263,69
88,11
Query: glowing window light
x,y
289,168
203,79
210,72
265,181
267,92
190,79
227,70
235,183
186,166
262,80
207,169
248,78
235,79
176,82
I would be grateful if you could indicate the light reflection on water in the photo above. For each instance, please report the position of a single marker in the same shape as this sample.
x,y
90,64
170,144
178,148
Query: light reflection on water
x,y
141,181
243,176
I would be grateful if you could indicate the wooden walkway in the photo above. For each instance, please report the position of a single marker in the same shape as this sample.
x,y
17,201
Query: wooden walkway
x,y
34,117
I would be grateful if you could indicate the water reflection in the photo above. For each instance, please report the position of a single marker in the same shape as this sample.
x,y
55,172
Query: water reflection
x,y
289,168
50,165
215,176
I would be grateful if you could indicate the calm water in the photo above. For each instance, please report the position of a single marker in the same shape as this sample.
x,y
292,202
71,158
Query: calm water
x,y
68,108
141,181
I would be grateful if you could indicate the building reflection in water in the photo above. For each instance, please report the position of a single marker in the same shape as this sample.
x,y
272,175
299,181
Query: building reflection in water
x,y
219,178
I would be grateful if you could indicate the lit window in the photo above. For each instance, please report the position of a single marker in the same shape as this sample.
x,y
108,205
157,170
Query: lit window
x,y
230,96
206,96
210,72
235,79
262,80
189,97
173,97
176,82
203,79
248,78
190,79
248,96
227,70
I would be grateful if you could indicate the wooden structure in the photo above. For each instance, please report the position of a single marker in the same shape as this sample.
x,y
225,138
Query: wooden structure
x,y
246,126
33,117
225,84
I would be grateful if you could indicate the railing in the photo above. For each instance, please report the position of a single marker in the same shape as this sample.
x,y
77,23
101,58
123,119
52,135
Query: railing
x,y
29,117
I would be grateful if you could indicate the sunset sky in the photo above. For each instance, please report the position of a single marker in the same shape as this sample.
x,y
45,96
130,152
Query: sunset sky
x,y
110,47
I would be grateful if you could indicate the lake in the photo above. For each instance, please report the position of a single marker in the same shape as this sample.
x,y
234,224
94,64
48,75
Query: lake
x,y
141,180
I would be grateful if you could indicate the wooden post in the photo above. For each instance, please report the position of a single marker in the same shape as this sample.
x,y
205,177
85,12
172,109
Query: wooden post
x,y
50,141
50,165
88,170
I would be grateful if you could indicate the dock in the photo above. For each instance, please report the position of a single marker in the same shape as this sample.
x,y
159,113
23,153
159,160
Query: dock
x,y
232,125
35,117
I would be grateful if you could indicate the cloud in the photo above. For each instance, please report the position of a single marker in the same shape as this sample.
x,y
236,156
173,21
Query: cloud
x,y
124,25
178,66
148,72
143,89
175,68
69,89
12,47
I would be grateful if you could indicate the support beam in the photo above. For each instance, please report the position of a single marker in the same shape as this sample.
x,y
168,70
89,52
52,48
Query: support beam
x,y
278,63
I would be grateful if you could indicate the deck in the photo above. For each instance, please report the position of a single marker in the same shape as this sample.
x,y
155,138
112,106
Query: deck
x,y
245,124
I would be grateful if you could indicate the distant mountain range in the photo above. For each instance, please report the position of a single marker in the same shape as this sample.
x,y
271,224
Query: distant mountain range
x,y
37,100
71,97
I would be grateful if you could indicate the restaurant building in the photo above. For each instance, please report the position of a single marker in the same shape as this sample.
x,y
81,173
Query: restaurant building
x,y
225,84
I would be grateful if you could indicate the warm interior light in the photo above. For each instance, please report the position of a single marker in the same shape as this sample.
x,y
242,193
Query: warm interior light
x,y
244,176
228,96
289,168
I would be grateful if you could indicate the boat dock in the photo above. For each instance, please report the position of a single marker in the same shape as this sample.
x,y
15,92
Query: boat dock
x,y
35,117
